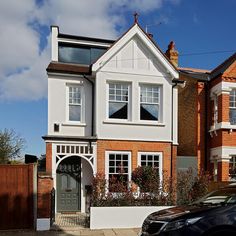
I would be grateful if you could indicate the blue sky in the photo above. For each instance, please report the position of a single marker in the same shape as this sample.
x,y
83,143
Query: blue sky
x,y
205,29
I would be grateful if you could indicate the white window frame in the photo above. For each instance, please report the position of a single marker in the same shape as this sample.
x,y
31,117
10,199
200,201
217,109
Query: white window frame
x,y
215,108
128,102
160,154
234,101
107,153
82,104
159,104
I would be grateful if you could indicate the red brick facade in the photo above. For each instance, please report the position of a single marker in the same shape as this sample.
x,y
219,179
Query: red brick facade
x,y
134,147
49,157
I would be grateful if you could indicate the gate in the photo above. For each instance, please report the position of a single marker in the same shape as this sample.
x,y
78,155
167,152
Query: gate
x,y
17,196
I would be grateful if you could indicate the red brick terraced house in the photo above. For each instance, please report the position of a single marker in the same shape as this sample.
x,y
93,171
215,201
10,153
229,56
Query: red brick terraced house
x,y
207,120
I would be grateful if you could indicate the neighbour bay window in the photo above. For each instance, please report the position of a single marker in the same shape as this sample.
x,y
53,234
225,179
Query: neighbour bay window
x,y
232,167
118,101
149,102
232,107
75,103
118,169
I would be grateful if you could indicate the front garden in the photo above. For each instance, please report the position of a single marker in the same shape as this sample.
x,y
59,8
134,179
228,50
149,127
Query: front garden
x,y
123,205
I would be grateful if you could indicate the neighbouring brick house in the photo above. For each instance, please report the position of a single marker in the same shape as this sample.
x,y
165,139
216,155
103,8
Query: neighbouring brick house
x,y
207,120
112,106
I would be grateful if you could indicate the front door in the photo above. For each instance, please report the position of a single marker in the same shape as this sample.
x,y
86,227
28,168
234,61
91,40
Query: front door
x,y
69,185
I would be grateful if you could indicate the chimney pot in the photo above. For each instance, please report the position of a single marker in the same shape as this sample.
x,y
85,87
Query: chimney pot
x,y
172,53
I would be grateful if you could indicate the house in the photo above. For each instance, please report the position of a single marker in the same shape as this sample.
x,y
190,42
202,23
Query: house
x,y
112,106
207,128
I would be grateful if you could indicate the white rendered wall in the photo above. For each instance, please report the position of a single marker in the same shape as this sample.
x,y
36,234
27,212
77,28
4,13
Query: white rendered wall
x,y
135,64
86,179
134,129
58,107
120,217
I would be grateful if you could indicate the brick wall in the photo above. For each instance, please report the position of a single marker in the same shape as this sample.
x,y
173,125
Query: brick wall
x,y
223,171
134,147
223,108
187,118
201,123
45,185
49,157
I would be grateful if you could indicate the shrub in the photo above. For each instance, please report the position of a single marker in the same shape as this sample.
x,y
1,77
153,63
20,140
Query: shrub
x,y
147,178
188,187
191,186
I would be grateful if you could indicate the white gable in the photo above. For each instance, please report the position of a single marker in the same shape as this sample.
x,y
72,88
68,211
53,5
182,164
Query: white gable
x,y
135,53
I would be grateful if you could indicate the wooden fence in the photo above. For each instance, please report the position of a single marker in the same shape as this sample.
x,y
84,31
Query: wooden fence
x,y
17,198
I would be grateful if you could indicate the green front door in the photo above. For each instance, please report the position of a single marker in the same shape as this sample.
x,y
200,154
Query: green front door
x,y
69,185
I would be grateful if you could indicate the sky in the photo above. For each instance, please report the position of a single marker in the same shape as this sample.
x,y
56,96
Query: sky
x,y
203,31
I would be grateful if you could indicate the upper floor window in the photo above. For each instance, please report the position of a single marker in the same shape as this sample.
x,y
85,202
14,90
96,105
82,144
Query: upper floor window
x,y
215,118
118,101
232,107
149,102
75,103
78,54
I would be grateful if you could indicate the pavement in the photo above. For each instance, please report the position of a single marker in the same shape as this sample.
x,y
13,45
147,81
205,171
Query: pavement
x,y
72,224
82,232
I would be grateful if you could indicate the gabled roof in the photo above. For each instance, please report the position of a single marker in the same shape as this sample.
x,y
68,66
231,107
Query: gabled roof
x,y
136,30
226,69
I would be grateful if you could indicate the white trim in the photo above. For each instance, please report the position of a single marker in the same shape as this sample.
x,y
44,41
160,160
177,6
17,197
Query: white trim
x,y
141,123
160,154
222,153
107,163
81,42
70,123
135,31
222,125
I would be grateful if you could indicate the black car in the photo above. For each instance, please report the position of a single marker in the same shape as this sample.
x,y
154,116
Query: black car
x,y
212,215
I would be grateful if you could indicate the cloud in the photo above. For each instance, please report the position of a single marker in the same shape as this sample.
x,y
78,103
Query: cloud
x,y
25,44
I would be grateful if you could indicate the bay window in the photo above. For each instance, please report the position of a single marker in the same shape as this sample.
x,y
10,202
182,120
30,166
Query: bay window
x,y
232,107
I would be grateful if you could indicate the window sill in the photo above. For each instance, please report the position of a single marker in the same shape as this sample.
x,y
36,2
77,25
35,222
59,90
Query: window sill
x,y
139,123
222,125
74,124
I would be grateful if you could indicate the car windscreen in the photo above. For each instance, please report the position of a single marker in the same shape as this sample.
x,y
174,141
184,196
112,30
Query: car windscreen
x,y
226,196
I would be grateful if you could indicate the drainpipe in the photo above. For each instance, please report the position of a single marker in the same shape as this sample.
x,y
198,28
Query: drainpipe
x,y
175,82
206,125
92,122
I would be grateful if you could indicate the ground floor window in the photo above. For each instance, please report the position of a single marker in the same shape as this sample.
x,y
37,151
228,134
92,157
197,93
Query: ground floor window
x,y
153,159
232,168
118,169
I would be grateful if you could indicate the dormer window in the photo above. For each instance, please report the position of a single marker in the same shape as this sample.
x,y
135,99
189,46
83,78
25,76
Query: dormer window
x,y
72,53
232,107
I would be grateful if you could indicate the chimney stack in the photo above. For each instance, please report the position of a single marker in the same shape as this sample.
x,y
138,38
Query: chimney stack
x,y
172,53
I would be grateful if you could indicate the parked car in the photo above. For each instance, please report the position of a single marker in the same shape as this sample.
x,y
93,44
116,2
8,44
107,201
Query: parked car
x,y
212,215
